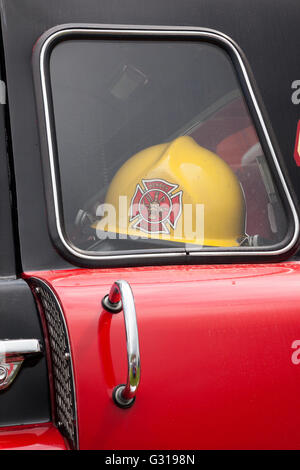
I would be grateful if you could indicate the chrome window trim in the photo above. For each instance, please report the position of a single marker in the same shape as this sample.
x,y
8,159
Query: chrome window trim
x,y
150,31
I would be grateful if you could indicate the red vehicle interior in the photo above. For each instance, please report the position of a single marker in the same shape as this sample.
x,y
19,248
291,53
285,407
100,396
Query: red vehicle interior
x,y
231,135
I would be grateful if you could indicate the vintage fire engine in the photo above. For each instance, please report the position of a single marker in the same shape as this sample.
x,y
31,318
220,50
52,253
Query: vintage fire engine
x,y
149,167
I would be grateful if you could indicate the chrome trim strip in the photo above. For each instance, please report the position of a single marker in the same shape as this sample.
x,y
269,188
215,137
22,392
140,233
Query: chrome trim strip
x,y
47,287
16,347
191,32
13,352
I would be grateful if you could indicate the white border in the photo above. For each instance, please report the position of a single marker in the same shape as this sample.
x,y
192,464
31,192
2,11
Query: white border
x,y
180,31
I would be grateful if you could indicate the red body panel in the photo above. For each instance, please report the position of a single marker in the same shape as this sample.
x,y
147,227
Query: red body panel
x,y
215,343
297,145
38,437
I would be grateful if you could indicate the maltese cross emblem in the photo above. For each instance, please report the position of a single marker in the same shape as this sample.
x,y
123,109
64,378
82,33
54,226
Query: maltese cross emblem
x,y
154,206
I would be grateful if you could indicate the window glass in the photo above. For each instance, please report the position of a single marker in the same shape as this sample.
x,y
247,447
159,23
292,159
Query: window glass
x,y
156,149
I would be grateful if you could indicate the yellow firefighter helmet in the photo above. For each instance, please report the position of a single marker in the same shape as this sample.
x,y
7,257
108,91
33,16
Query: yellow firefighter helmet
x,y
176,191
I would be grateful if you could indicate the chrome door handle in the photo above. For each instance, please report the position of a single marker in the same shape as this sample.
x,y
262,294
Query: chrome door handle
x,y
12,354
121,297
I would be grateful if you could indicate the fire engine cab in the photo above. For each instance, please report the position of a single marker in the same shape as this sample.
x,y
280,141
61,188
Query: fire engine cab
x,y
149,201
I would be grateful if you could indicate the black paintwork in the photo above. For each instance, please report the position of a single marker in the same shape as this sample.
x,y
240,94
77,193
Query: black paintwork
x,y
266,30
45,155
27,400
8,237
7,240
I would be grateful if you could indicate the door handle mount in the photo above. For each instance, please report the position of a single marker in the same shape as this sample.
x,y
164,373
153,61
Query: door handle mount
x,y
120,298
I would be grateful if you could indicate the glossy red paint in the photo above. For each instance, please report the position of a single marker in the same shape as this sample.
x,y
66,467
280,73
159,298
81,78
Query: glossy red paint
x,y
37,437
297,145
215,342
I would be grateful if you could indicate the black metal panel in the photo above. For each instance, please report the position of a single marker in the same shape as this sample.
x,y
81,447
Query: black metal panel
x,y
137,258
266,30
27,400
7,239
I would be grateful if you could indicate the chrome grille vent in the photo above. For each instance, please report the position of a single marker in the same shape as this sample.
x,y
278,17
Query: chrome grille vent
x,y
61,362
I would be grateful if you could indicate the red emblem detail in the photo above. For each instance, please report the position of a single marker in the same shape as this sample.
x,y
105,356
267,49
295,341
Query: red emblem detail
x,y
154,207
297,146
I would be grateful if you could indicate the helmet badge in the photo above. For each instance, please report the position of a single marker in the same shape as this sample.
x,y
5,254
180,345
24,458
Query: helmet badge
x,y
154,208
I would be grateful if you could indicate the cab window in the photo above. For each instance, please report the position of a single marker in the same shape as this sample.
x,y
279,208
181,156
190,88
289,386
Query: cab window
x,y
155,149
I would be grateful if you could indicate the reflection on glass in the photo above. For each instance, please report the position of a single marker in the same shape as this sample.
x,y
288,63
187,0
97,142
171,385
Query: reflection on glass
x,y
157,149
